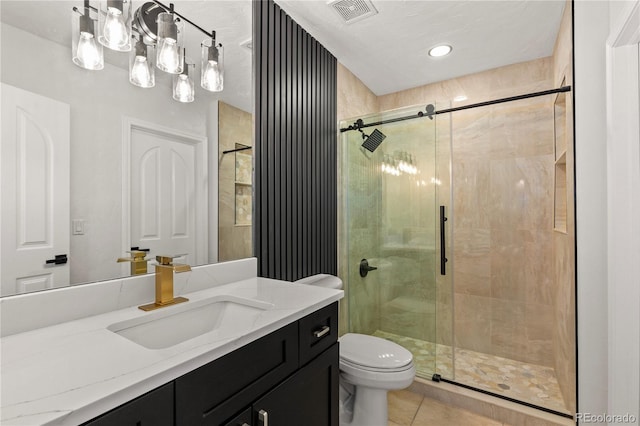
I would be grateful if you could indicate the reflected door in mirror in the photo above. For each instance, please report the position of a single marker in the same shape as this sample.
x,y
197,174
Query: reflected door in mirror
x,y
35,191
163,189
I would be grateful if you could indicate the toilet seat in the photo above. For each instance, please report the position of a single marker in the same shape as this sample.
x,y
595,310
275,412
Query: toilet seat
x,y
347,365
373,354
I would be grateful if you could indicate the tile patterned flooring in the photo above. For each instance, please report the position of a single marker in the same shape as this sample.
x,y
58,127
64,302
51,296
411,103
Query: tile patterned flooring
x,y
525,382
412,409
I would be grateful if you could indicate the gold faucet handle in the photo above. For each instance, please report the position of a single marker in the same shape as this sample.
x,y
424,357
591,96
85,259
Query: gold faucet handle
x,y
164,260
168,261
138,254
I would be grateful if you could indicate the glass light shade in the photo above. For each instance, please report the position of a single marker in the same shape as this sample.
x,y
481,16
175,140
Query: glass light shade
x,y
141,64
114,24
169,51
183,87
86,52
212,69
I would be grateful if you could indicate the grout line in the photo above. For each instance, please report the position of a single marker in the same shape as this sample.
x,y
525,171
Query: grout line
x,y
413,419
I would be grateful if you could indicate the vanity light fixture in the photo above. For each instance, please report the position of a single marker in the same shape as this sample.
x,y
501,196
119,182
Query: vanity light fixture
x,y
170,53
441,50
153,26
141,69
212,67
183,87
86,52
114,24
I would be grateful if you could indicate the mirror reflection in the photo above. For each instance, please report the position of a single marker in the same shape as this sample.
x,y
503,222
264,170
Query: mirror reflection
x,y
103,172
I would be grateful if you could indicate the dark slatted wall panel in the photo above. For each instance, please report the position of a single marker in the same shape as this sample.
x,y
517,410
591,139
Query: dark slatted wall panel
x,y
295,148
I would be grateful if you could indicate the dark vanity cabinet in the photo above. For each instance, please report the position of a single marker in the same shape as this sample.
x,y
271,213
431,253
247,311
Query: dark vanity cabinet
x,y
153,408
289,377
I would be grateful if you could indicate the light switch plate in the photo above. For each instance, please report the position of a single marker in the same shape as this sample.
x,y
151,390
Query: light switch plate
x,y
77,227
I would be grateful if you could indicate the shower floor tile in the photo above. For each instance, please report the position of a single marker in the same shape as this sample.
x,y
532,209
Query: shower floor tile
x,y
530,383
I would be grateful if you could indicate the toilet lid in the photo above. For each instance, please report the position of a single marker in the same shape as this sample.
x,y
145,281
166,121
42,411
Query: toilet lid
x,y
373,352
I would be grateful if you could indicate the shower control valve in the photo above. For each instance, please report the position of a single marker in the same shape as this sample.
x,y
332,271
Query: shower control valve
x,y
365,268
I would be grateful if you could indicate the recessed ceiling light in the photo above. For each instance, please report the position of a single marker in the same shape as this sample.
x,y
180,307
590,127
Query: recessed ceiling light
x,y
442,50
460,98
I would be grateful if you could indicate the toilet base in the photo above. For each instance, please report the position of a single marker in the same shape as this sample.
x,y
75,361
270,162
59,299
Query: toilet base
x,y
369,408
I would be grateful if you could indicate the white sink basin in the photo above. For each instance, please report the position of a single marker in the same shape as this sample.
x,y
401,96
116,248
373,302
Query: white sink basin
x,y
180,323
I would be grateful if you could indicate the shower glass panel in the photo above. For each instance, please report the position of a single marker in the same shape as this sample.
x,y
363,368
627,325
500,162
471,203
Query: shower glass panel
x,y
506,318
500,319
391,223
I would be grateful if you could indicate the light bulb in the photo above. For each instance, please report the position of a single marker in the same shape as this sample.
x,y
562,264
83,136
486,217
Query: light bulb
x,y
183,89
115,30
168,56
87,53
140,72
212,79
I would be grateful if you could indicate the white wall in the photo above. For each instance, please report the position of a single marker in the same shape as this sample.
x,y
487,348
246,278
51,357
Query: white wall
x,y
608,207
99,100
623,181
591,28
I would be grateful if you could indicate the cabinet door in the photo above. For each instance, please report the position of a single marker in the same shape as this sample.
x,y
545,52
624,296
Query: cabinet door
x,y
152,409
243,419
309,397
218,391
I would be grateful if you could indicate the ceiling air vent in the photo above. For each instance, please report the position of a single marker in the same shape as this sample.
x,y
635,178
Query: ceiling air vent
x,y
353,10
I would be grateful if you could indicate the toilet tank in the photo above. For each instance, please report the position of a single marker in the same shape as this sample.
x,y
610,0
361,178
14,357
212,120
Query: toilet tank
x,y
322,280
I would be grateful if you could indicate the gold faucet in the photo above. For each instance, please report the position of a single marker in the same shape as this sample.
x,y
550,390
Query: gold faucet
x,y
164,283
138,262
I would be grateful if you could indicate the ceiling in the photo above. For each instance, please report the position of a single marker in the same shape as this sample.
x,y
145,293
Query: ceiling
x,y
231,19
389,51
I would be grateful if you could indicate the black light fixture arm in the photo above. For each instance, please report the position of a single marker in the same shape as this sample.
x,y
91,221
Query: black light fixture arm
x,y
86,6
170,9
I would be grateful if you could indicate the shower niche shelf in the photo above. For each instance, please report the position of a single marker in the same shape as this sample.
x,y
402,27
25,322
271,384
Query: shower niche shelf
x,y
560,169
243,185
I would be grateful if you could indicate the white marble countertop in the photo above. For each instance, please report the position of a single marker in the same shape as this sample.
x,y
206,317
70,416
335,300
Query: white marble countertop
x,y
69,373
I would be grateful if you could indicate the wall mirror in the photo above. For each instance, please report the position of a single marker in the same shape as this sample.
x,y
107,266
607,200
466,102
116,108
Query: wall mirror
x,y
137,168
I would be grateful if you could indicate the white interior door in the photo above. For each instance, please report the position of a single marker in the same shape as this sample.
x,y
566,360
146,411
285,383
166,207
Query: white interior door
x,y
35,191
166,195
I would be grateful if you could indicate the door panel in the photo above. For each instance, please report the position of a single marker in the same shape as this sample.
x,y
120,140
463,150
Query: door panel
x,y
163,195
35,191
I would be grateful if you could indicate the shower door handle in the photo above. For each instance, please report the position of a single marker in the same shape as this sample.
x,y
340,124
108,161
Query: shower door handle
x,y
365,268
443,255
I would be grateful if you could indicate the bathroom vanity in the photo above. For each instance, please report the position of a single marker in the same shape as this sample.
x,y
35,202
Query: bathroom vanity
x,y
270,356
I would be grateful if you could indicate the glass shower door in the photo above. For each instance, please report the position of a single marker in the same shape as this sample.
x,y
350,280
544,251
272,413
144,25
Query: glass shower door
x,y
391,231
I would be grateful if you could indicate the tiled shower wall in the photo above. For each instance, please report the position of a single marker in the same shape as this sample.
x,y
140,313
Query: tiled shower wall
x,y
564,330
234,127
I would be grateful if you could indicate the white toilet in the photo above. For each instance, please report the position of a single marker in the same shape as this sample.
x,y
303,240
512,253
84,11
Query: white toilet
x,y
369,368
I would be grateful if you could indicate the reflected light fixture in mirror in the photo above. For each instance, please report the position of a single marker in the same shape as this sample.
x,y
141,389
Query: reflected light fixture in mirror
x,y
141,69
86,52
170,53
152,26
183,87
212,69
114,24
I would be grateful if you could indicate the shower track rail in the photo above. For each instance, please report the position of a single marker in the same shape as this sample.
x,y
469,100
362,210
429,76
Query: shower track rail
x,y
438,378
430,112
